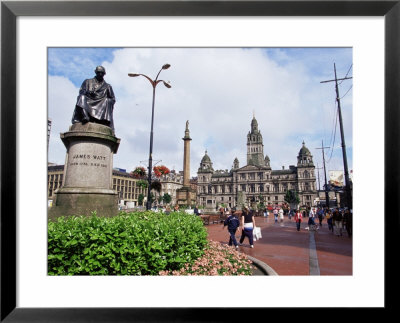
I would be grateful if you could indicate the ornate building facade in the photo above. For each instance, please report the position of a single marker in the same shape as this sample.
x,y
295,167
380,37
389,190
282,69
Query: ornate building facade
x,y
256,182
125,185
170,183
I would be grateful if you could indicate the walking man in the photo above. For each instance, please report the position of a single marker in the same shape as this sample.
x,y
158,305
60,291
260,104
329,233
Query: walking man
x,y
233,223
276,214
298,217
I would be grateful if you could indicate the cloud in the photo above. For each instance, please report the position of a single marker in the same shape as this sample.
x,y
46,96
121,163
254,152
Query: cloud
x,y
217,90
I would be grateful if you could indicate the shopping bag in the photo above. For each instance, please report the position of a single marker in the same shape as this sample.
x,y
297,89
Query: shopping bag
x,y
257,233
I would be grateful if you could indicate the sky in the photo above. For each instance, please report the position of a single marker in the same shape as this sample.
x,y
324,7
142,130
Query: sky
x,y
218,90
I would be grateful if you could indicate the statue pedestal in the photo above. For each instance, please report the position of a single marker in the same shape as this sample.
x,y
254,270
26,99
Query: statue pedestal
x,y
87,184
186,196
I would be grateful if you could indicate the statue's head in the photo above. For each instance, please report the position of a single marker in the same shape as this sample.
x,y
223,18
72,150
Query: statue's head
x,y
100,69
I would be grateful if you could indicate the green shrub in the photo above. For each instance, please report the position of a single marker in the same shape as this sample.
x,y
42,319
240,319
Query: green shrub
x,y
141,243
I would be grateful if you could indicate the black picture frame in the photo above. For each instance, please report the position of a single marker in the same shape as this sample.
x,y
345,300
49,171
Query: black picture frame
x,y
10,10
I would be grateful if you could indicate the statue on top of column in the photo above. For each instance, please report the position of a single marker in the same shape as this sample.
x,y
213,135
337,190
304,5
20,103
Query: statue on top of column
x,y
95,102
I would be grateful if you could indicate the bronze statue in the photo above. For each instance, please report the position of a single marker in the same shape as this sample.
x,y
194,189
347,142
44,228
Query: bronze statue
x,y
95,102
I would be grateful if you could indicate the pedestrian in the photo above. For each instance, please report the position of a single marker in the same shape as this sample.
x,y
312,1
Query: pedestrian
x,y
348,222
320,213
176,208
233,223
298,217
247,226
266,212
329,220
196,210
290,213
337,222
276,214
281,214
167,210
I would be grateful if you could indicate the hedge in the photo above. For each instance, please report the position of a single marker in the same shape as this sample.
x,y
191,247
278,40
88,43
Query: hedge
x,y
138,243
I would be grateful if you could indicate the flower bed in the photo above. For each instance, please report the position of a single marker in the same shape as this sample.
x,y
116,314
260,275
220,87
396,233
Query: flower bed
x,y
218,260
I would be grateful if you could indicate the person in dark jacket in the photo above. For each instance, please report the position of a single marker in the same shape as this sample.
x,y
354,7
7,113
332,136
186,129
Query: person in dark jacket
x,y
348,222
337,222
233,223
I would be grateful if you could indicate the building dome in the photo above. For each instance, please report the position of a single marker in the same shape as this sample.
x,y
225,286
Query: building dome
x,y
304,158
206,158
304,151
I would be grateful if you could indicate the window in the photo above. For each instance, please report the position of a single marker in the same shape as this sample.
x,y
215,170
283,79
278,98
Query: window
x,y
276,198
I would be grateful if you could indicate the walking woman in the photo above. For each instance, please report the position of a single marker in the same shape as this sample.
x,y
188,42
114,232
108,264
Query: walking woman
x,y
247,224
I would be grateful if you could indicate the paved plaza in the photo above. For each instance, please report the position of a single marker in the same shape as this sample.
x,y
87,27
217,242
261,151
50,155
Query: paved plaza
x,y
291,252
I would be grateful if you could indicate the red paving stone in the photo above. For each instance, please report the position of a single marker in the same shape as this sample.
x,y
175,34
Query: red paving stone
x,y
286,250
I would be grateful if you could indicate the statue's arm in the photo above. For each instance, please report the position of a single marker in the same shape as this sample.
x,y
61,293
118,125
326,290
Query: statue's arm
x,y
110,93
84,88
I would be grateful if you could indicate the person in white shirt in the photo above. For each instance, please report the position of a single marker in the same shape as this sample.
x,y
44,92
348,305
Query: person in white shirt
x,y
281,214
311,216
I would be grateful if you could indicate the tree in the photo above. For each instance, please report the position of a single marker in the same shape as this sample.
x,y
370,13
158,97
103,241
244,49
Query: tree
x,y
140,199
292,197
167,198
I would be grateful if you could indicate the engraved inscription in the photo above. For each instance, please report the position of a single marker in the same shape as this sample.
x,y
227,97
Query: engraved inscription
x,y
83,160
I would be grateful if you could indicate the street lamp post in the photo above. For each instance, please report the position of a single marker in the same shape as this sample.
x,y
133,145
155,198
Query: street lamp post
x,y
154,84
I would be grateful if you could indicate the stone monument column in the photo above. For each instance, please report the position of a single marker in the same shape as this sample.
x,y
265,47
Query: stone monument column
x,y
186,195
88,168
186,156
